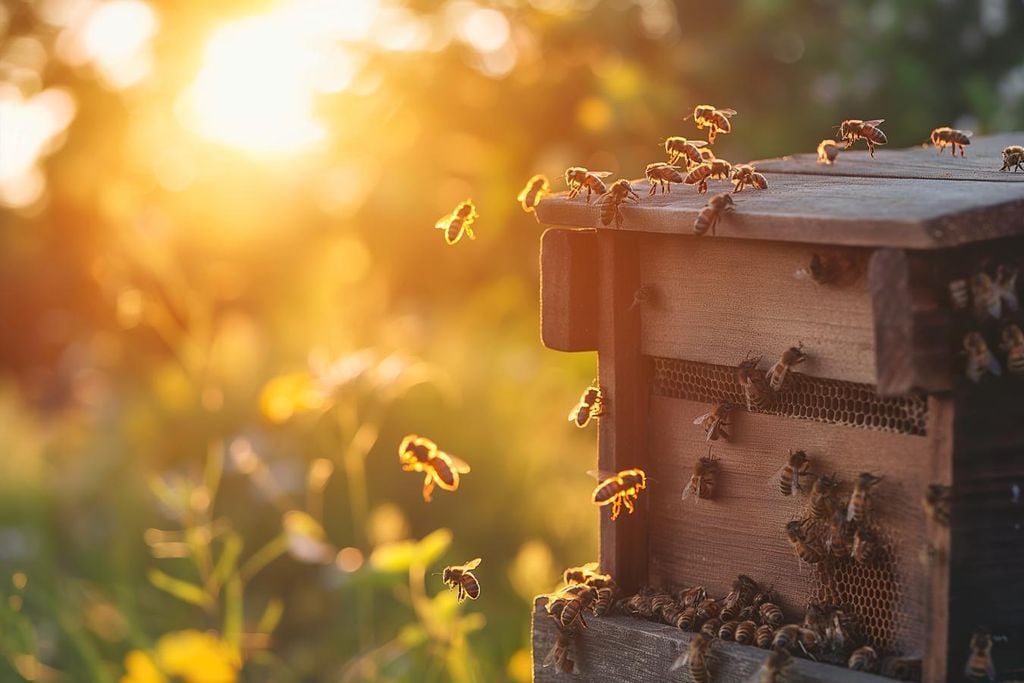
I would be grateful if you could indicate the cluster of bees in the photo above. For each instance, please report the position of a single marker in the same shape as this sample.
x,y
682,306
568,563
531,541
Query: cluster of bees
x,y
584,589
987,306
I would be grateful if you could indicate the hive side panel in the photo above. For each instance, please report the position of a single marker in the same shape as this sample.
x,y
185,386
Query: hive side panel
x,y
568,291
715,300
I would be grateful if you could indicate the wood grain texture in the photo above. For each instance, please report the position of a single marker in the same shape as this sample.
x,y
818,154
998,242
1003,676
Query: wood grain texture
x,y
624,375
616,649
717,299
741,530
982,162
568,289
940,471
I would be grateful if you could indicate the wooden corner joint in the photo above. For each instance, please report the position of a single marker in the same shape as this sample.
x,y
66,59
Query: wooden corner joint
x,y
568,289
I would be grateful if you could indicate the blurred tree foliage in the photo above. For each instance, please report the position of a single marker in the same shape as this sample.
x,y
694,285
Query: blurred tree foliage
x,y
164,280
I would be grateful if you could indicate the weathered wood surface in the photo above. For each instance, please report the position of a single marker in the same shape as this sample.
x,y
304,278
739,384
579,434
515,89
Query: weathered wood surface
x,y
827,209
741,530
568,289
618,648
940,471
982,162
715,300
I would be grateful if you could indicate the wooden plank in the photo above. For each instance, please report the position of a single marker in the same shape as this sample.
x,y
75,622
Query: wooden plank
x,y
741,530
911,326
618,648
940,471
568,289
982,162
715,300
624,377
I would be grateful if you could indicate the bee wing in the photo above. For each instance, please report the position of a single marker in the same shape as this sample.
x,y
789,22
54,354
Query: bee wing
x,y
700,420
682,660
874,122
968,133
732,112
443,222
525,191
601,475
698,143
601,174
458,464
689,491
471,565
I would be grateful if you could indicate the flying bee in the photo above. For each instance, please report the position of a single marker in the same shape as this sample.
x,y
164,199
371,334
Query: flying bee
x,y
746,174
663,175
715,422
697,657
773,668
1013,158
702,481
679,148
837,543
461,578
828,150
708,217
746,632
852,130
690,597
560,655
756,391
901,668
727,631
619,490
612,200
589,406
458,223
764,635
715,120
804,551
700,174
771,614
937,503
579,179
777,374
420,454
979,359
859,500
789,477
980,666
1006,286
535,189
710,627
951,137
866,546
987,302
823,493
864,659
1012,343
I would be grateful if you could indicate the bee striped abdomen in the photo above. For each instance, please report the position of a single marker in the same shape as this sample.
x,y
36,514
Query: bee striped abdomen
x,y
746,632
728,630
604,493
864,659
470,586
771,614
763,636
711,626
447,477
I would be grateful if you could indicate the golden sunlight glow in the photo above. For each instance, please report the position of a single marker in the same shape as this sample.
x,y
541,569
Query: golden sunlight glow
x,y
30,129
115,38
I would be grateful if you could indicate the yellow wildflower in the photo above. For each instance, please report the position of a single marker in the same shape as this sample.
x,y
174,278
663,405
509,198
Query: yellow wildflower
x,y
198,657
140,668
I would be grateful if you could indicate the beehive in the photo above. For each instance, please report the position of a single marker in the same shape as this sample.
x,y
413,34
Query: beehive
x,y
882,392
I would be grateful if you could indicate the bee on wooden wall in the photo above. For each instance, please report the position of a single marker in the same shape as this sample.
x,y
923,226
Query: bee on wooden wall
x,y
679,148
1012,344
702,481
715,120
831,268
857,510
793,636
1013,158
979,359
420,454
771,614
756,391
746,174
828,150
1006,287
638,605
764,635
458,223
852,130
709,608
707,170
461,578
778,372
536,187
987,302
823,497
620,490
791,476
710,627
660,174
798,541
864,658
937,503
745,633
560,655
980,666
815,616
714,422
692,596
589,406
643,295
611,202
579,179
901,668
697,657
959,294
866,546
727,631
951,137
709,216
580,574
604,600
569,605
774,667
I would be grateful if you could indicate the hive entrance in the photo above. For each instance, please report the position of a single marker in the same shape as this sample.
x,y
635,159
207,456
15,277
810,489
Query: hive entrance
x,y
810,398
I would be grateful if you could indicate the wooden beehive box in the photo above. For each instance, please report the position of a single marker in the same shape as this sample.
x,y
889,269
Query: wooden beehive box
x,y
882,392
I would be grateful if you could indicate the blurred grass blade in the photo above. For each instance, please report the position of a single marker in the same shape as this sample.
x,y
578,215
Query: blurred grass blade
x,y
214,469
183,590
227,563
264,556
271,616
233,609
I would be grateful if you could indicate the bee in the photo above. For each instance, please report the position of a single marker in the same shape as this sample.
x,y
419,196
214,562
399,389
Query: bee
x,y
458,223
771,671
863,659
756,391
1006,286
828,150
771,614
715,120
686,619
603,600
715,422
461,578
579,179
612,200
792,636
535,189
1013,158
727,631
777,374
979,359
638,605
620,489
662,604
697,657
987,302
707,170
746,631
1012,343
580,574
560,655
980,666
790,476
857,509
662,174
937,503
690,597
865,546
708,217
822,502
804,551
959,294
839,531
746,174
815,618
710,627
679,148
852,130
707,154
831,268
569,605
764,635
420,454
901,668
702,481
708,608
643,295
946,136
589,406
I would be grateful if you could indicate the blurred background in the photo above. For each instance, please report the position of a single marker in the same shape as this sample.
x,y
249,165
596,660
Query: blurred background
x,y
224,304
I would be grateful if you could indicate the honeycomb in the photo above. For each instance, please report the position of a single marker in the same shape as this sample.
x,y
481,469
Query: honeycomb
x,y
809,398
